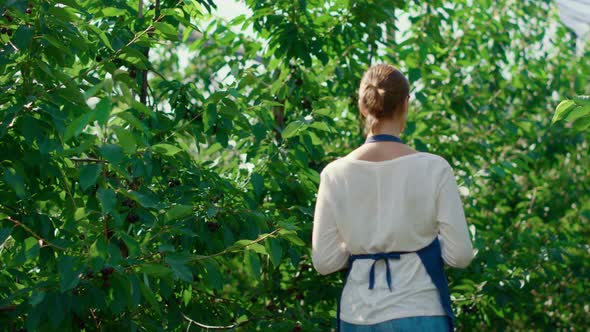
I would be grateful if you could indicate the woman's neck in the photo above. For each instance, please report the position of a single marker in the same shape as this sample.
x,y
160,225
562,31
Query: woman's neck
x,y
387,127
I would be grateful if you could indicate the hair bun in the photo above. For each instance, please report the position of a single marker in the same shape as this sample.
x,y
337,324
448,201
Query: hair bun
x,y
373,100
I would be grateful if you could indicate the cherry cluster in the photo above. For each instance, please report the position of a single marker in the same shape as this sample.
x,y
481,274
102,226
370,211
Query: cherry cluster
x,y
173,183
5,30
106,274
132,216
213,226
8,31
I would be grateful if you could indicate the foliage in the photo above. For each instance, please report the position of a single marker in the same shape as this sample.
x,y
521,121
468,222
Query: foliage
x,y
576,110
138,193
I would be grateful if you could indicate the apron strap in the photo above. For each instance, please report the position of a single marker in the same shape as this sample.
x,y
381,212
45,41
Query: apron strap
x,y
431,258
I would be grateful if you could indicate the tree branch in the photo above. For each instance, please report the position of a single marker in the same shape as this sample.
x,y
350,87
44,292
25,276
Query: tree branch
x,y
35,235
232,249
88,160
211,327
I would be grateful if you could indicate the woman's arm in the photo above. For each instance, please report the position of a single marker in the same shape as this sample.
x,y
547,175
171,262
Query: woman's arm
x,y
328,251
456,247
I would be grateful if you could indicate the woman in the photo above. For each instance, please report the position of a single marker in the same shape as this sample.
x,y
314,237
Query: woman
x,y
391,215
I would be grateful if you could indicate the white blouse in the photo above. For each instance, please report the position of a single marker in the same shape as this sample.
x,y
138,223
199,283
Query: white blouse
x,y
381,206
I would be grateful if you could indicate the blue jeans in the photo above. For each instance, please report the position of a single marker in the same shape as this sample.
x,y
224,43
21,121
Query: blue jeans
x,y
406,324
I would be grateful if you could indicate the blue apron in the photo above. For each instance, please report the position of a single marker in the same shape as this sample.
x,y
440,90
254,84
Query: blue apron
x,y
430,256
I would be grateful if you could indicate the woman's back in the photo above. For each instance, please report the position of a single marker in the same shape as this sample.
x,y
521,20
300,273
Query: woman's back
x,y
382,199
399,204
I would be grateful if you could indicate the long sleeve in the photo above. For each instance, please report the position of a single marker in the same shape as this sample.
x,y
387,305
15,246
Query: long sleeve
x,y
457,250
329,253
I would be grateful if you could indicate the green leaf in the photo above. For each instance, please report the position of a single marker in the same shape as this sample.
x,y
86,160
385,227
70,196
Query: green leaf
x,y
68,276
179,268
187,295
289,224
23,37
582,100
4,233
179,212
414,74
146,198
257,183
131,243
562,110
98,249
149,296
252,264
292,129
126,139
582,123
292,237
134,57
214,278
107,199
165,149
113,153
76,127
112,11
31,246
37,298
102,111
156,270
15,181
577,113
315,140
258,248
142,108
101,35
170,32
320,126
89,174
210,117
275,250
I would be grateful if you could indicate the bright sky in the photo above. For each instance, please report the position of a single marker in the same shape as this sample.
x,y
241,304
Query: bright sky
x,y
229,9
574,13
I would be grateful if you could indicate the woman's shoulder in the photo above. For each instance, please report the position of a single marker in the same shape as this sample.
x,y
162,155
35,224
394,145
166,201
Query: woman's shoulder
x,y
437,159
344,165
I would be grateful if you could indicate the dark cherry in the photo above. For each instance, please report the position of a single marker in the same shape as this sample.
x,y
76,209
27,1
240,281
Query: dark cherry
x,y
213,226
129,203
132,218
107,270
3,30
29,11
9,33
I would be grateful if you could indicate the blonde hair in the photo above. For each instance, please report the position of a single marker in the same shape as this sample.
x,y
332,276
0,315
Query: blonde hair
x,y
381,94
